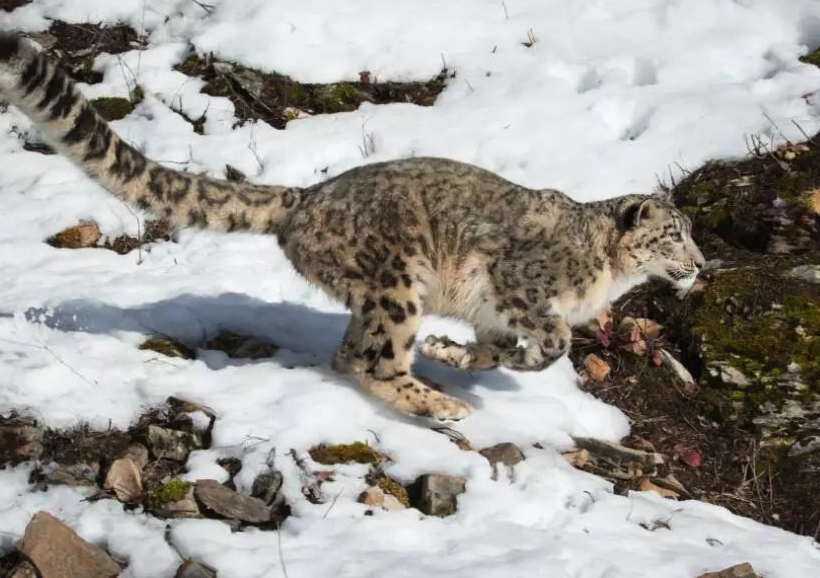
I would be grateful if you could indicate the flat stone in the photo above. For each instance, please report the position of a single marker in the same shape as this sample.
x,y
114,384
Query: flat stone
x,y
58,552
226,503
191,569
20,440
125,480
138,454
172,444
76,475
436,494
807,273
377,497
740,571
620,456
187,507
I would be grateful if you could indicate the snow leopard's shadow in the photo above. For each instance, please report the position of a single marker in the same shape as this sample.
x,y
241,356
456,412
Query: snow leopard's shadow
x,y
307,337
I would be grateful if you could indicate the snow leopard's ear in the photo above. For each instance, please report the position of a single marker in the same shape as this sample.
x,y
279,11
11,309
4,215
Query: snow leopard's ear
x,y
664,194
634,211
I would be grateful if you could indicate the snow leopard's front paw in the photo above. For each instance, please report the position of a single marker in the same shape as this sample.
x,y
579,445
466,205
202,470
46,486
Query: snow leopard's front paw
x,y
472,356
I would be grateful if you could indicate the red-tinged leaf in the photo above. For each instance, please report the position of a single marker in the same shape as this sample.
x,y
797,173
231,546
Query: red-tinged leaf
x,y
689,388
602,337
364,77
691,458
656,357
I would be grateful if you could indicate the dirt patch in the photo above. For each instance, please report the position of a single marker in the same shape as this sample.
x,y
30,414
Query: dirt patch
x,y
77,45
11,5
277,99
749,336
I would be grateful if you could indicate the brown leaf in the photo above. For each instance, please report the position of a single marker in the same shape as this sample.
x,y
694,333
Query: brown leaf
x,y
647,486
814,200
692,458
648,328
597,368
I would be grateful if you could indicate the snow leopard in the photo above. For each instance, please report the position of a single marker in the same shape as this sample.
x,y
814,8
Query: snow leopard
x,y
396,240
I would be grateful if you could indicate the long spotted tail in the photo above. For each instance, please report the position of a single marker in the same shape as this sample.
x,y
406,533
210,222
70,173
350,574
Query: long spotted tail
x,y
38,86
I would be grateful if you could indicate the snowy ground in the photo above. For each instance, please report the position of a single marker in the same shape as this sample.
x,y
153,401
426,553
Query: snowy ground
x,y
612,95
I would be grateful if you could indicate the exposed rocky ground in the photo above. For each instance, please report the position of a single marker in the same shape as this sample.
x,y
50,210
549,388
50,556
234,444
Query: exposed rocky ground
x,y
743,428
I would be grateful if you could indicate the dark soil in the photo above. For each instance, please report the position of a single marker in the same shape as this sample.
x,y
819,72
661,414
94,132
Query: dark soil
x,y
277,99
11,5
77,45
755,220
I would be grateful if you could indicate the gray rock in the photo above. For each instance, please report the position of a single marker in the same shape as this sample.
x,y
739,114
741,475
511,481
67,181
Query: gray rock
x,y
266,487
191,569
20,440
225,503
76,475
172,444
138,454
620,461
436,494
807,273
58,552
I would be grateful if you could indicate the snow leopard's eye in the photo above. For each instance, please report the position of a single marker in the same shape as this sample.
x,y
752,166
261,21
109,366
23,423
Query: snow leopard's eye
x,y
676,237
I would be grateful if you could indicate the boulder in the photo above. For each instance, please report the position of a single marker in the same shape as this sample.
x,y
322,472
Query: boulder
x,y
58,552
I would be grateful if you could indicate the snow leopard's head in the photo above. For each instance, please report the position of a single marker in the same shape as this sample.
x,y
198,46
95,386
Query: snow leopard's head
x,y
656,240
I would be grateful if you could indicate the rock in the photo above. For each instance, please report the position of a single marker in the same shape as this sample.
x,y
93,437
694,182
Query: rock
x,y
226,503
23,570
503,454
167,347
178,406
74,475
191,569
167,503
172,444
577,459
619,461
138,454
807,273
20,440
679,370
231,465
241,346
125,480
740,571
84,235
266,487
58,552
234,174
435,494
377,497
727,374
597,368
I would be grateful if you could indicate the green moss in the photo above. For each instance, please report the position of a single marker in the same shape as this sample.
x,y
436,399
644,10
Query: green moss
x,y
167,347
395,489
812,58
357,452
172,491
68,239
761,343
112,107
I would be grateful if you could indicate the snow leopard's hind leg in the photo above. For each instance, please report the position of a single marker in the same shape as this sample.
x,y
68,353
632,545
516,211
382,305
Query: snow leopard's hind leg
x,y
378,349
